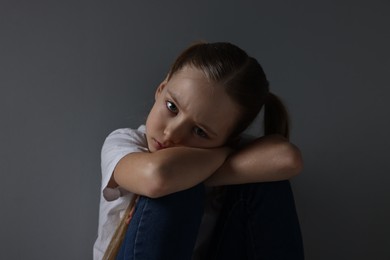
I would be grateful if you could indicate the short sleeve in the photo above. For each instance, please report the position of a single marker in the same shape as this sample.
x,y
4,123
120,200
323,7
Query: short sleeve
x,y
117,145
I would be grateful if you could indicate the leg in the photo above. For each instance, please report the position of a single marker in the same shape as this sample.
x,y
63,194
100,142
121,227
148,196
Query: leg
x,y
164,228
258,221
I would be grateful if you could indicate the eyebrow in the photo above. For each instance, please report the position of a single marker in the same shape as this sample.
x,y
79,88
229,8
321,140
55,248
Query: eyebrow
x,y
208,129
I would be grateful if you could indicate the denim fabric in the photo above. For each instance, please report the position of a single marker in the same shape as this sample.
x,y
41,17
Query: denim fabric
x,y
164,228
257,221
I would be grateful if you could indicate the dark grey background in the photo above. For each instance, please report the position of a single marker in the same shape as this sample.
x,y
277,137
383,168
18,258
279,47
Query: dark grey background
x,y
72,71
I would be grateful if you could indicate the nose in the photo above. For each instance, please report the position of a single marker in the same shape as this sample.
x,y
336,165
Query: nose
x,y
174,133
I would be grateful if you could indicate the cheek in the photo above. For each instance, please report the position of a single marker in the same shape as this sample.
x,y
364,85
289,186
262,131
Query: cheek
x,y
155,117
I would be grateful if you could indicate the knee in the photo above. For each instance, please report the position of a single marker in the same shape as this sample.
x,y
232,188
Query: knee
x,y
255,193
260,187
190,200
276,189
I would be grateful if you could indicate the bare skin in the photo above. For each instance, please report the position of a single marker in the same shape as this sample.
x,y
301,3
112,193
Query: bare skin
x,y
186,131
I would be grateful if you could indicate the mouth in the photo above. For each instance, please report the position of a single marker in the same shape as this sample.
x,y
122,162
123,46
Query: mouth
x,y
158,145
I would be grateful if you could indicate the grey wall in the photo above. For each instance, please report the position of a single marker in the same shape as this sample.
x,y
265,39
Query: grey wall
x,y
72,71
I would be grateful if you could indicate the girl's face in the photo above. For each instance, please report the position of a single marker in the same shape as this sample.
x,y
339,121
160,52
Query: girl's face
x,y
190,110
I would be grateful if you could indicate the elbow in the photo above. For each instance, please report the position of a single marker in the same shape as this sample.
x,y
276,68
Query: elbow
x,y
293,161
156,185
153,193
148,182
155,189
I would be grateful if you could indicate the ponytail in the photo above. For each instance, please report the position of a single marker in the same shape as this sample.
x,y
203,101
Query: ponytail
x,y
119,235
276,119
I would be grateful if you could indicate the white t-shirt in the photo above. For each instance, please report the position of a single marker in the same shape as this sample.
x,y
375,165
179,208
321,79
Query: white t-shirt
x,y
113,202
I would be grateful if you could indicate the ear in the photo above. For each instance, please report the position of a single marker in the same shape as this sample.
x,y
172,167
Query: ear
x,y
160,89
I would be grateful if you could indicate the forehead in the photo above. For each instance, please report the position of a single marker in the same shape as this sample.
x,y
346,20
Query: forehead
x,y
202,100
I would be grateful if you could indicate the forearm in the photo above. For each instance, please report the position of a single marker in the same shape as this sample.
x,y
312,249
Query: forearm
x,y
168,170
270,158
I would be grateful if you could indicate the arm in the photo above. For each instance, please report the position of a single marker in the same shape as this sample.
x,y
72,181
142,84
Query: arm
x,y
269,158
168,170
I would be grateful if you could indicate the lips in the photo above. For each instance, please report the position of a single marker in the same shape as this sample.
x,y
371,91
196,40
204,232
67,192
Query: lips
x,y
158,145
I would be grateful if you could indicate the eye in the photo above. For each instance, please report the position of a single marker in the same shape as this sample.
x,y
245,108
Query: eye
x,y
199,132
171,107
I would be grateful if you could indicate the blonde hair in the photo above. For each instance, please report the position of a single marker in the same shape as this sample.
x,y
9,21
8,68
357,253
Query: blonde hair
x,y
120,232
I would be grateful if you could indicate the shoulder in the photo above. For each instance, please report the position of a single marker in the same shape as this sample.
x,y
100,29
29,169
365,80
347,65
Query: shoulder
x,y
118,144
126,137
121,142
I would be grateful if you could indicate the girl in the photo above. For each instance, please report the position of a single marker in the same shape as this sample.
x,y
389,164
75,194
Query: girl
x,y
154,176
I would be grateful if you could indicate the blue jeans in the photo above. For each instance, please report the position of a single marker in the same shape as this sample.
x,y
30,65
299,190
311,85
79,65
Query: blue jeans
x,y
257,221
